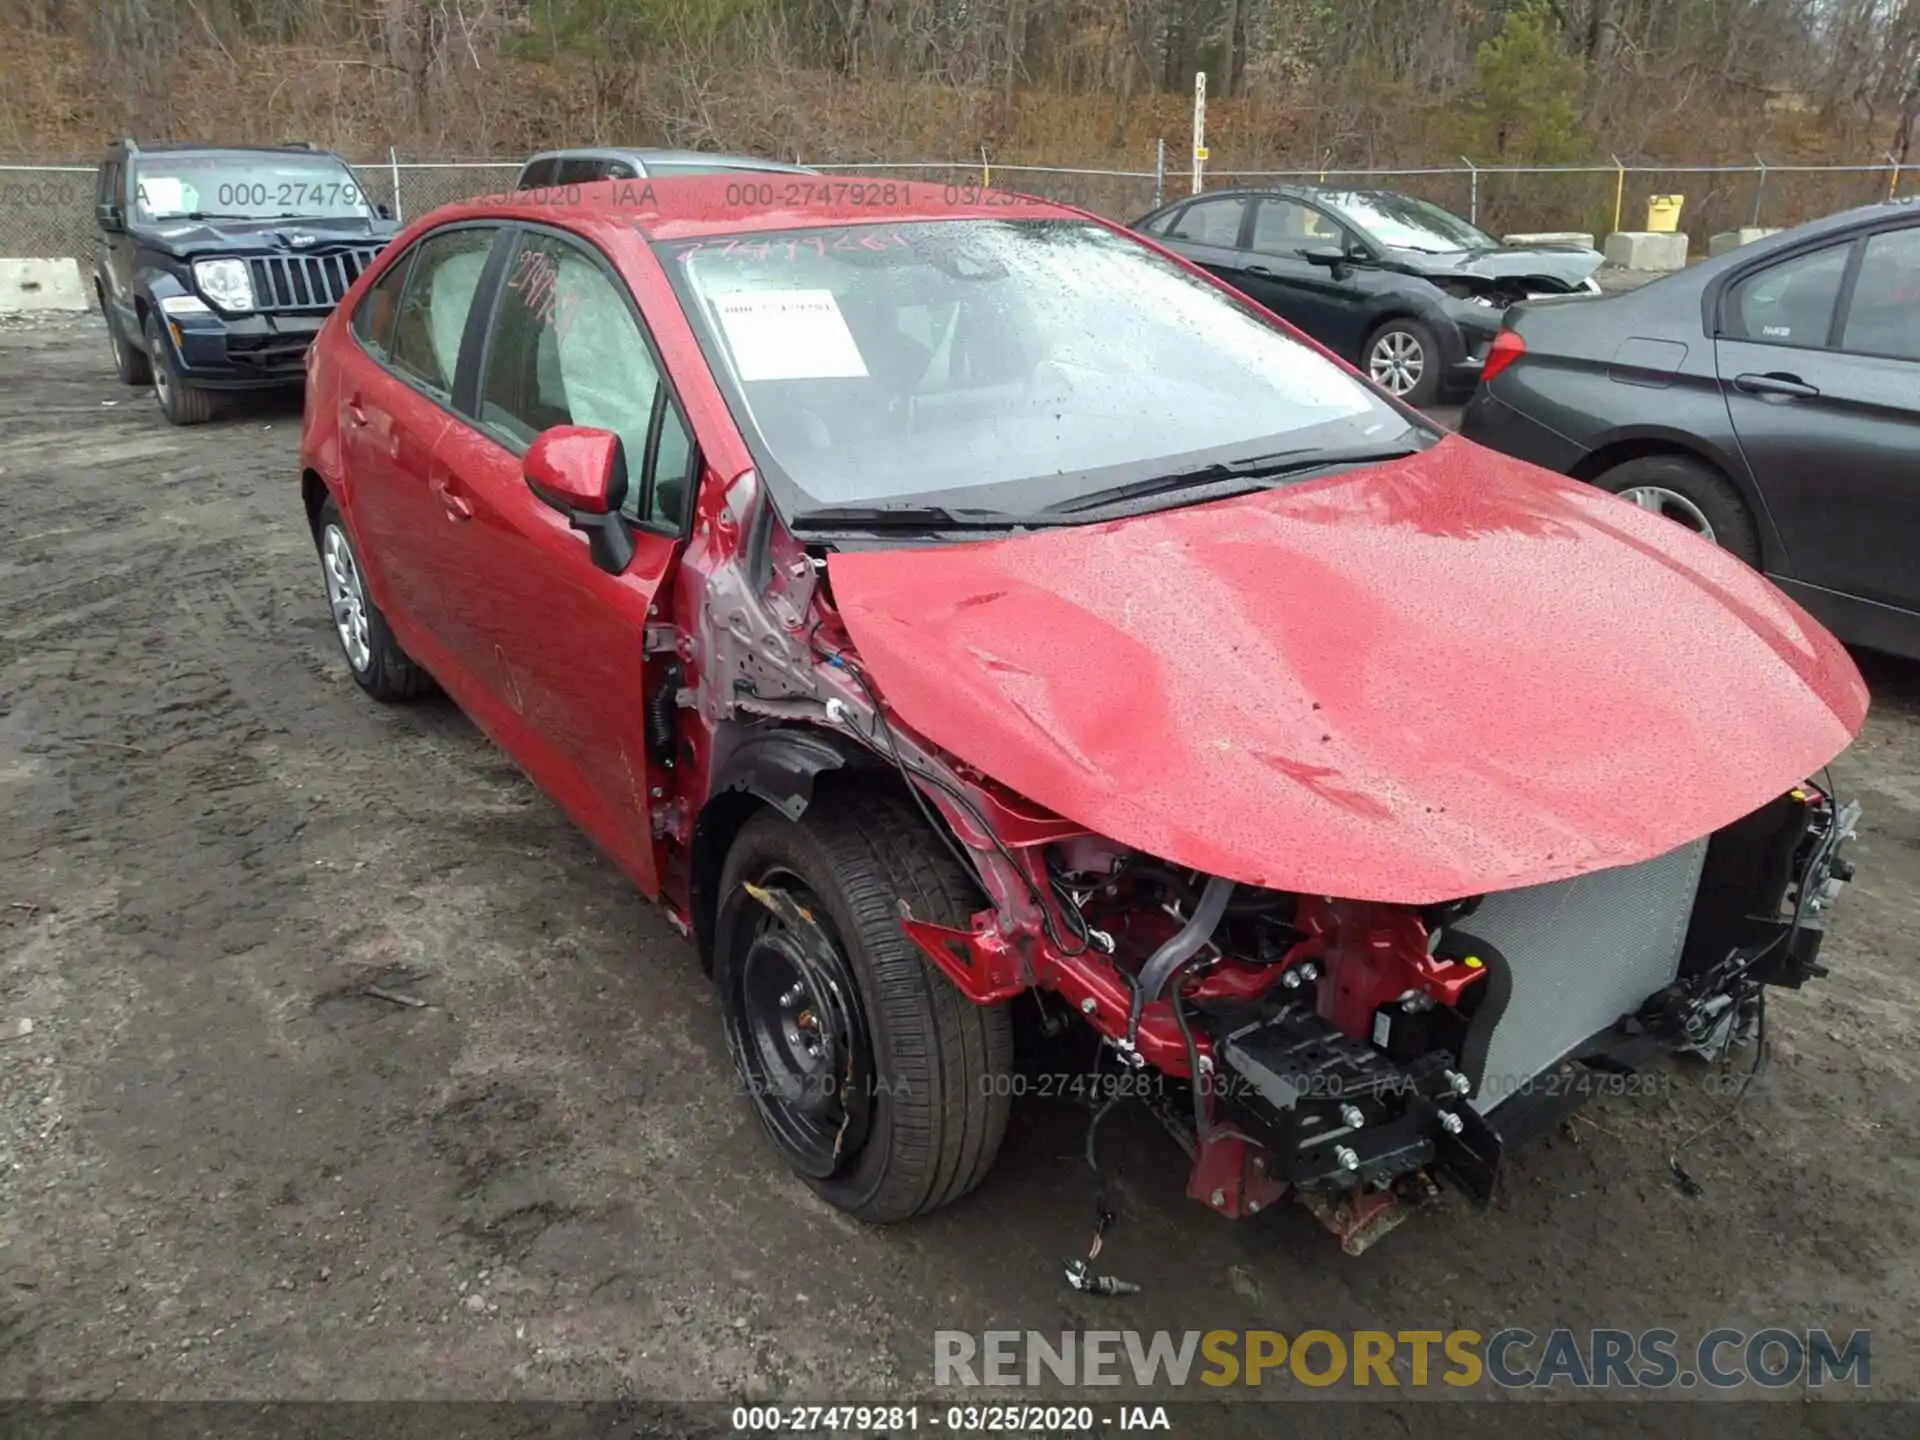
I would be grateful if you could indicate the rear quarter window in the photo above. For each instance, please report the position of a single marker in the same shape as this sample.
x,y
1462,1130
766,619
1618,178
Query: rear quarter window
x,y
1791,303
373,317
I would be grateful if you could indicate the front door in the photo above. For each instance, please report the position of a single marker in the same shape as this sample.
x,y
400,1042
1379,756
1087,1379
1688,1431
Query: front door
x,y
1819,358
561,642
1326,302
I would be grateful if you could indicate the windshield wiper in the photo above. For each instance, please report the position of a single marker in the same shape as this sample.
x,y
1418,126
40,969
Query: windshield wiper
x,y
908,516
1257,467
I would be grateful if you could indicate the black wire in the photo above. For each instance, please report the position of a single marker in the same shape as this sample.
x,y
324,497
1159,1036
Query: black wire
x,y
1201,1129
908,770
1829,842
1687,1182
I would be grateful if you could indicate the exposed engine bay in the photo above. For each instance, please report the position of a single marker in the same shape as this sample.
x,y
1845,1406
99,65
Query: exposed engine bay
x,y
1343,1051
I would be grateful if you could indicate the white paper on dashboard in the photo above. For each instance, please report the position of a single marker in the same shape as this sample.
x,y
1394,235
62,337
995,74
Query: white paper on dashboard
x,y
163,195
789,335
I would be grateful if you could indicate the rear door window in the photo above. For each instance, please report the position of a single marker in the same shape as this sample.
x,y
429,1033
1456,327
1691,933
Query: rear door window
x,y
1883,314
538,174
585,170
1791,303
1211,222
440,287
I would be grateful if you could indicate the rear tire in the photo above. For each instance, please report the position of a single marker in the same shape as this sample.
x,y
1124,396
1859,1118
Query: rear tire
x,y
1402,357
923,1118
374,658
181,403
1693,494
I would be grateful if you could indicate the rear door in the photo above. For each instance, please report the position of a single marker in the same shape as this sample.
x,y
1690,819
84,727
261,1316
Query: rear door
x,y
393,413
561,643
1819,358
1210,233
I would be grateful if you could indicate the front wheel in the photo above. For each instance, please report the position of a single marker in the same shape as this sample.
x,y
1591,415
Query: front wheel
x,y
881,1085
1403,359
181,403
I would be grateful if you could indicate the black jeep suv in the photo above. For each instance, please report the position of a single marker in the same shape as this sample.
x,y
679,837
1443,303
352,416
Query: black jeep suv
x,y
216,264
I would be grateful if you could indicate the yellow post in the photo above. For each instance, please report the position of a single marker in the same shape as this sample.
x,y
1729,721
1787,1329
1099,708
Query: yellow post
x,y
986,178
1619,189
1893,180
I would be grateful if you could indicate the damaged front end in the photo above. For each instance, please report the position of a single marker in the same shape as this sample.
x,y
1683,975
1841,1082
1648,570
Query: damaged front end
x,y
1347,1051
1519,916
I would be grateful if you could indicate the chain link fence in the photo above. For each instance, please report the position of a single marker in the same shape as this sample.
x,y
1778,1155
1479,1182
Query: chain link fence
x,y
47,209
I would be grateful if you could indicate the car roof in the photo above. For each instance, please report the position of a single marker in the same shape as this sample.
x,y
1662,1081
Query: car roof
x,y
1321,193
689,207
180,147
649,156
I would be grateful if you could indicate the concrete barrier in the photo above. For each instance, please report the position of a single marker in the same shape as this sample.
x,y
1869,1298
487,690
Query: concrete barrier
x,y
1733,239
42,285
1647,249
1551,237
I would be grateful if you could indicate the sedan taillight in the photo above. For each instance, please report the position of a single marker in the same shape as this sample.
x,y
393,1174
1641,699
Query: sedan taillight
x,y
1507,347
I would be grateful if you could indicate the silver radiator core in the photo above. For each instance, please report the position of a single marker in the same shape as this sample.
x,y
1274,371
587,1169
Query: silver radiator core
x,y
1582,952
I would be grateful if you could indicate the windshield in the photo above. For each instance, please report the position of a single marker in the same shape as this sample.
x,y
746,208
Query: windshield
x,y
1000,364
247,186
1401,222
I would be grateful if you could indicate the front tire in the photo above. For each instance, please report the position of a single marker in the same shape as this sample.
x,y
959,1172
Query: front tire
x,y
378,664
181,403
882,1086
1402,357
1691,493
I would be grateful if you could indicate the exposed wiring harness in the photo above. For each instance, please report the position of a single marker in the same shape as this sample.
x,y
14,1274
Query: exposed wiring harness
x,y
909,771
1828,844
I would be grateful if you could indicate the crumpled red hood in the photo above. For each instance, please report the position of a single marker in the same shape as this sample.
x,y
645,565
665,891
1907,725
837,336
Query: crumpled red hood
x,y
1433,678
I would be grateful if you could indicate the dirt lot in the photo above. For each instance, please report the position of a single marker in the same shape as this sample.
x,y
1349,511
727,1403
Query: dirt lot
x,y
226,1172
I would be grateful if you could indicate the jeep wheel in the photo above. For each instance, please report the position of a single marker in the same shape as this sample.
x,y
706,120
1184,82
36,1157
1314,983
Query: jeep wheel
x,y
181,403
379,665
128,363
874,1076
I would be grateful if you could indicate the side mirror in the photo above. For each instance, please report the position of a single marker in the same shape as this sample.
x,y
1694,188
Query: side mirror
x,y
1331,256
383,210
111,218
582,473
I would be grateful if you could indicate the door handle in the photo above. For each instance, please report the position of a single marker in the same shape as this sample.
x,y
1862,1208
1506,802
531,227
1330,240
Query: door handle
x,y
354,412
1787,386
457,506
1260,270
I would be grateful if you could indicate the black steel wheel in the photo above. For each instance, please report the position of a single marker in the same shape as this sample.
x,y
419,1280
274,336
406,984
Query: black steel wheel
x,y
883,1086
800,1038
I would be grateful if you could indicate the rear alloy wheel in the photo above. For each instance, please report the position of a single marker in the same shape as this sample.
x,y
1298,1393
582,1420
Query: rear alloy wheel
x,y
379,665
1402,359
1688,493
874,1077
181,403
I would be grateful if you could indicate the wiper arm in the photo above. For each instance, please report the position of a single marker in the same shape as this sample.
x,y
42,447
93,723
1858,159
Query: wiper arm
x,y
1257,467
909,517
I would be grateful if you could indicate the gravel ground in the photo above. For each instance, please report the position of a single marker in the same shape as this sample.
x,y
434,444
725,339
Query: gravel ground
x,y
228,1172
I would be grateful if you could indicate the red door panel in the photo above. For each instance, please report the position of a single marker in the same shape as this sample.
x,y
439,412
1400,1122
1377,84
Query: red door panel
x,y
556,645
387,437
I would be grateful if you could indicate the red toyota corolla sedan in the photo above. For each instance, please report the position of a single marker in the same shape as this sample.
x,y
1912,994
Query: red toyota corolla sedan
x,y
937,599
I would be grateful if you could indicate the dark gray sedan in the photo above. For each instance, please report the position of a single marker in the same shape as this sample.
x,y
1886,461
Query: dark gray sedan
x,y
1409,292
1768,399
